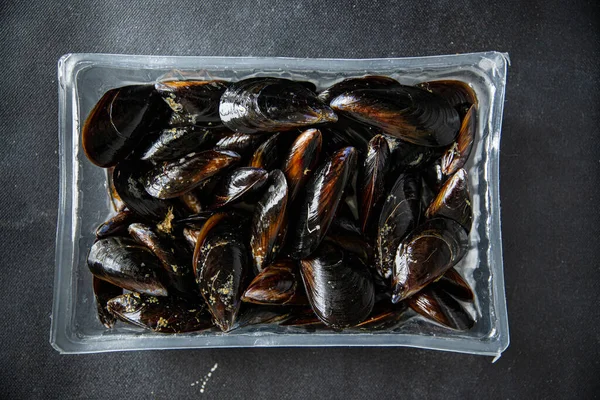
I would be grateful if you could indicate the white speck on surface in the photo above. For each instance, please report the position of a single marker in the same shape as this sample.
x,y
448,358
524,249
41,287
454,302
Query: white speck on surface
x,y
206,378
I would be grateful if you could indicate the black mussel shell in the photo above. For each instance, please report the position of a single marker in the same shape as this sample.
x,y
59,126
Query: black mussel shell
x,y
128,178
303,317
348,132
261,315
457,155
349,84
453,201
426,254
119,121
302,159
409,113
234,185
371,179
221,265
455,92
324,191
399,215
173,143
268,154
173,178
271,105
117,204
124,263
174,255
269,222
160,314
191,236
453,283
344,224
434,177
351,243
437,305
192,202
242,143
277,284
193,101
406,156
103,292
117,224
340,288
385,316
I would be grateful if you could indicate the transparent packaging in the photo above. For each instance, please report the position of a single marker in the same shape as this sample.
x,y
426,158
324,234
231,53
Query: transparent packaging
x,y
83,203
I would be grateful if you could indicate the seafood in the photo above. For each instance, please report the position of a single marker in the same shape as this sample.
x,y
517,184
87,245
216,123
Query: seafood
x,y
236,184
192,202
456,156
117,224
350,84
278,283
372,178
453,283
268,154
439,306
301,160
174,143
103,292
241,143
453,201
455,92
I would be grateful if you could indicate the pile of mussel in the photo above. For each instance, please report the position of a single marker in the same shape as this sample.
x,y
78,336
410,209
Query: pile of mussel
x,y
266,201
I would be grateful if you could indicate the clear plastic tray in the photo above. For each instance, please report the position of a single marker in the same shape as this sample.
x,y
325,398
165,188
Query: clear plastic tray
x,y
83,78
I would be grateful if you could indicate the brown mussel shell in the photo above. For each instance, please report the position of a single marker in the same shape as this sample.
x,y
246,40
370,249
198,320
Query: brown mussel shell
x,y
457,155
191,236
349,84
117,224
340,288
125,263
173,178
399,215
426,254
160,314
193,101
434,177
119,121
268,154
173,143
453,201
324,191
411,114
455,92
192,202
221,265
277,284
385,316
103,292
371,179
303,317
117,204
261,315
454,284
302,159
437,305
271,105
234,185
347,132
269,222
242,143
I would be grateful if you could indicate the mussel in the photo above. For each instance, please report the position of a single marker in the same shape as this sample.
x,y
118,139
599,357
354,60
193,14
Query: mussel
x,y
453,201
301,160
103,292
192,202
454,284
271,105
437,305
236,184
278,283
455,92
350,84
426,254
372,179
116,201
347,132
174,143
406,156
457,155
117,224
268,154
242,143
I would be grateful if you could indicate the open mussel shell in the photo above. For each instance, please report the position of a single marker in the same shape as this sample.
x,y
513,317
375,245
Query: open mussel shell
x,y
340,288
173,143
371,179
174,255
221,265
192,101
117,224
269,221
103,292
234,185
453,283
457,155
437,305
277,284
173,178
324,191
399,215
453,201
119,121
411,114
349,84
128,178
426,254
242,143
268,154
127,264
302,159
160,314
455,92
271,105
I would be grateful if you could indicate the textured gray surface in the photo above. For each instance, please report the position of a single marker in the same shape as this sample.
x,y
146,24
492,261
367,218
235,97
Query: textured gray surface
x,y
549,171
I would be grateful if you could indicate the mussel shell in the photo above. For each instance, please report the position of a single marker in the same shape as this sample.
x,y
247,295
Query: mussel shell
x,y
454,284
434,177
192,202
399,215
221,265
371,179
261,315
173,143
175,256
129,184
117,204
191,236
340,289
103,292
269,222
277,284
385,316
302,159
174,178
455,92
437,305
347,132
268,154
457,155
303,317
271,105
119,121
160,314
117,224
411,114
453,201
234,185
324,191
242,143
193,101
355,244
124,263
349,84
426,254
406,156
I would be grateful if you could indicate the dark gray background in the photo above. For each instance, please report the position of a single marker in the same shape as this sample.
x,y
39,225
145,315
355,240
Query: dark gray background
x,y
550,166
